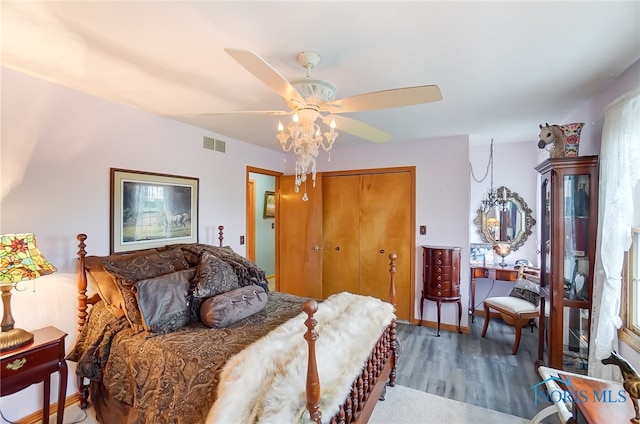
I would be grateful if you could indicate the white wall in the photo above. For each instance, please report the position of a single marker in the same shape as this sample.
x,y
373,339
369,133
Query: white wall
x,y
57,147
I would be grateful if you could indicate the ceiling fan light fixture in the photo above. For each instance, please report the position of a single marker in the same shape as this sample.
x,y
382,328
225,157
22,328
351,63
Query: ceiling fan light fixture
x,y
303,136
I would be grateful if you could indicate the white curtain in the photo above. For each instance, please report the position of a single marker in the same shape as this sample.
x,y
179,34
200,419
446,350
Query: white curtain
x,y
619,173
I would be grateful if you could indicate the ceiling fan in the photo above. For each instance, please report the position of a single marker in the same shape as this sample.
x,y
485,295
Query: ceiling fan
x,y
317,97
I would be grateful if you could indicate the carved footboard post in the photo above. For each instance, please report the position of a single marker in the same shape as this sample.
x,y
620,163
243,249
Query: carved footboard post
x,y
393,329
313,382
392,278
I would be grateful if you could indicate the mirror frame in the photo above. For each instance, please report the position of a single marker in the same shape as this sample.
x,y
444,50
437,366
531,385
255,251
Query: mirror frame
x,y
528,221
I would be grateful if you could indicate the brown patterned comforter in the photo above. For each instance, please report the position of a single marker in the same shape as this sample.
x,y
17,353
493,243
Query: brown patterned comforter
x,y
170,378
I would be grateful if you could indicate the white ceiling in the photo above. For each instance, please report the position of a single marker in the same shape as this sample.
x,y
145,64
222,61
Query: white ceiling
x,y
503,67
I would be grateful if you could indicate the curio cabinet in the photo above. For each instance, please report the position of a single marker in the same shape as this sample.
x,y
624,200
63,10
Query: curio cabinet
x,y
568,218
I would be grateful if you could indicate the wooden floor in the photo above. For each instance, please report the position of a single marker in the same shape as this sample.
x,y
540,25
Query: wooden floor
x,y
472,369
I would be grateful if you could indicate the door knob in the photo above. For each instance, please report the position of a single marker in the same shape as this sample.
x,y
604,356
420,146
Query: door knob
x,y
338,248
381,250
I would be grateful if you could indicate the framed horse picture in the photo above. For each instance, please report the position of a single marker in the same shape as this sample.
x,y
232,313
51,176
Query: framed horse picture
x,y
152,210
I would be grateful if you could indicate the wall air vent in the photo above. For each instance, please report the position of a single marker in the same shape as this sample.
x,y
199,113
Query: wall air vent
x,y
213,144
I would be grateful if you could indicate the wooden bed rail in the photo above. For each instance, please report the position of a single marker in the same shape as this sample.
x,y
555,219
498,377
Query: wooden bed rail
x,y
371,382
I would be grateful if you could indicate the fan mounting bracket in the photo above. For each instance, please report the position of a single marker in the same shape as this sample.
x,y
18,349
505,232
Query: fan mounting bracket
x,y
308,60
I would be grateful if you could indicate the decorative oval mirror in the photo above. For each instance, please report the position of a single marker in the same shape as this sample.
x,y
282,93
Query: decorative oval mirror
x,y
509,220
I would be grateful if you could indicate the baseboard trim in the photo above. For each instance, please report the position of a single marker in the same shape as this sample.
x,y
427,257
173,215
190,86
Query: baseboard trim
x,y
36,417
447,327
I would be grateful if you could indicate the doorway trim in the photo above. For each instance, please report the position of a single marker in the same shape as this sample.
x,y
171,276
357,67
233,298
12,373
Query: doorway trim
x,y
250,226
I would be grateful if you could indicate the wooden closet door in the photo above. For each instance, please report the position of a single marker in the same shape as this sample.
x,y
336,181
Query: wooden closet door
x,y
299,226
341,215
386,210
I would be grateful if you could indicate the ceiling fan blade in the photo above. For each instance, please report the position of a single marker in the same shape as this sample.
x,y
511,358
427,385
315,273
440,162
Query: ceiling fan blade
x,y
358,128
247,112
265,73
385,99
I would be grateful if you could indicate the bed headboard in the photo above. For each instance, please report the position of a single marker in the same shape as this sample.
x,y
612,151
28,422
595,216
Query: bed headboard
x,y
83,300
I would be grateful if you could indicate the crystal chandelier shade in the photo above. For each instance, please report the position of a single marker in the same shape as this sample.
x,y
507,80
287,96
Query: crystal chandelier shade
x,y
303,135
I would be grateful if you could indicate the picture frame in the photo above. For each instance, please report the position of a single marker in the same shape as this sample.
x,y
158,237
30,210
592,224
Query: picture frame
x,y
149,210
481,254
269,204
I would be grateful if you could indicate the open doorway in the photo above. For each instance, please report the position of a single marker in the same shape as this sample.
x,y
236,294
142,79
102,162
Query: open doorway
x,y
262,187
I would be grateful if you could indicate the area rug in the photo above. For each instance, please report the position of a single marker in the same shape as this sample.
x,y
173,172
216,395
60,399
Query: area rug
x,y
403,405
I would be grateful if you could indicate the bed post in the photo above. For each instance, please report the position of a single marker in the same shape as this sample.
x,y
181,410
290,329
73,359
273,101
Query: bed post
x,y
82,283
392,278
393,325
313,384
83,389
220,237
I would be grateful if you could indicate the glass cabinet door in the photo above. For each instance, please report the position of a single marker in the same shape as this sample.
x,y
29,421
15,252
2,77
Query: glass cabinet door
x,y
568,219
576,269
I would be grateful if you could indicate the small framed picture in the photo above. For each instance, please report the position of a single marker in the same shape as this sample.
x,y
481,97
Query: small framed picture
x,y
481,254
269,204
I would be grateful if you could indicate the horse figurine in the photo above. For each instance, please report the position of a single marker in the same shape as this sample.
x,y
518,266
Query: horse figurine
x,y
631,380
564,139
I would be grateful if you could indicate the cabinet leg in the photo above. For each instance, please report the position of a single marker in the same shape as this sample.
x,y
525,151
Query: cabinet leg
x,y
421,309
472,296
62,391
439,307
459,315
47,396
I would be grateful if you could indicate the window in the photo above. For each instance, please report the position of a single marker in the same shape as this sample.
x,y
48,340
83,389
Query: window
x,y
631,330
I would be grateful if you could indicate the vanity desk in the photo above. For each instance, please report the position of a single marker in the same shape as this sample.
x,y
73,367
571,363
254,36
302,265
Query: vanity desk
x,y
508,273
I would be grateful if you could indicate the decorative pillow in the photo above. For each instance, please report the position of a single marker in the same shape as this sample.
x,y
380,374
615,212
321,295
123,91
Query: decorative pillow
x,y
526,290
127,273
233,306
164,301
214,277
104,283
149,265
248,272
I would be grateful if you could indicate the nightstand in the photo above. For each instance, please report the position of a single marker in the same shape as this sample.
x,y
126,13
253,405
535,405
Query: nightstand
x,y
34,363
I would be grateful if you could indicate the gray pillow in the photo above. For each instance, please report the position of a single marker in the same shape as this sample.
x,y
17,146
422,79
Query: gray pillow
x,y
151,265
214,277
163,301
233,306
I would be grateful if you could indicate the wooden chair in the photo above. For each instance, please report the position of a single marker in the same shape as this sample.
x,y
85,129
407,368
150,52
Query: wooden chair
x,y
513,310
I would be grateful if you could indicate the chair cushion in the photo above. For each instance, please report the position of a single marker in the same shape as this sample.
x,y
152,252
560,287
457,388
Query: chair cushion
x,y
511,305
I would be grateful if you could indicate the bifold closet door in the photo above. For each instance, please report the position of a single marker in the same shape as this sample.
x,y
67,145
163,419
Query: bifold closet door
x,y
299,228
365,218
341,222
385,226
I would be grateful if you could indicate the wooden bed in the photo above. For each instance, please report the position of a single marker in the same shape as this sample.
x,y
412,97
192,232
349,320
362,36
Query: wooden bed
x,y
377,371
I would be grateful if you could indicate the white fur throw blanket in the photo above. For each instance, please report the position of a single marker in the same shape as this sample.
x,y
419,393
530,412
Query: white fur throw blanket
x,y
265,382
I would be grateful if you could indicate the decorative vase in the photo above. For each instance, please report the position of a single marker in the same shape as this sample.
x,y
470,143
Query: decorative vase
x,y
502,249
571,138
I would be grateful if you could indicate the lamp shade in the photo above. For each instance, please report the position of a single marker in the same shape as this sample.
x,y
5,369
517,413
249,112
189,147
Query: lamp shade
x,y
21,259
